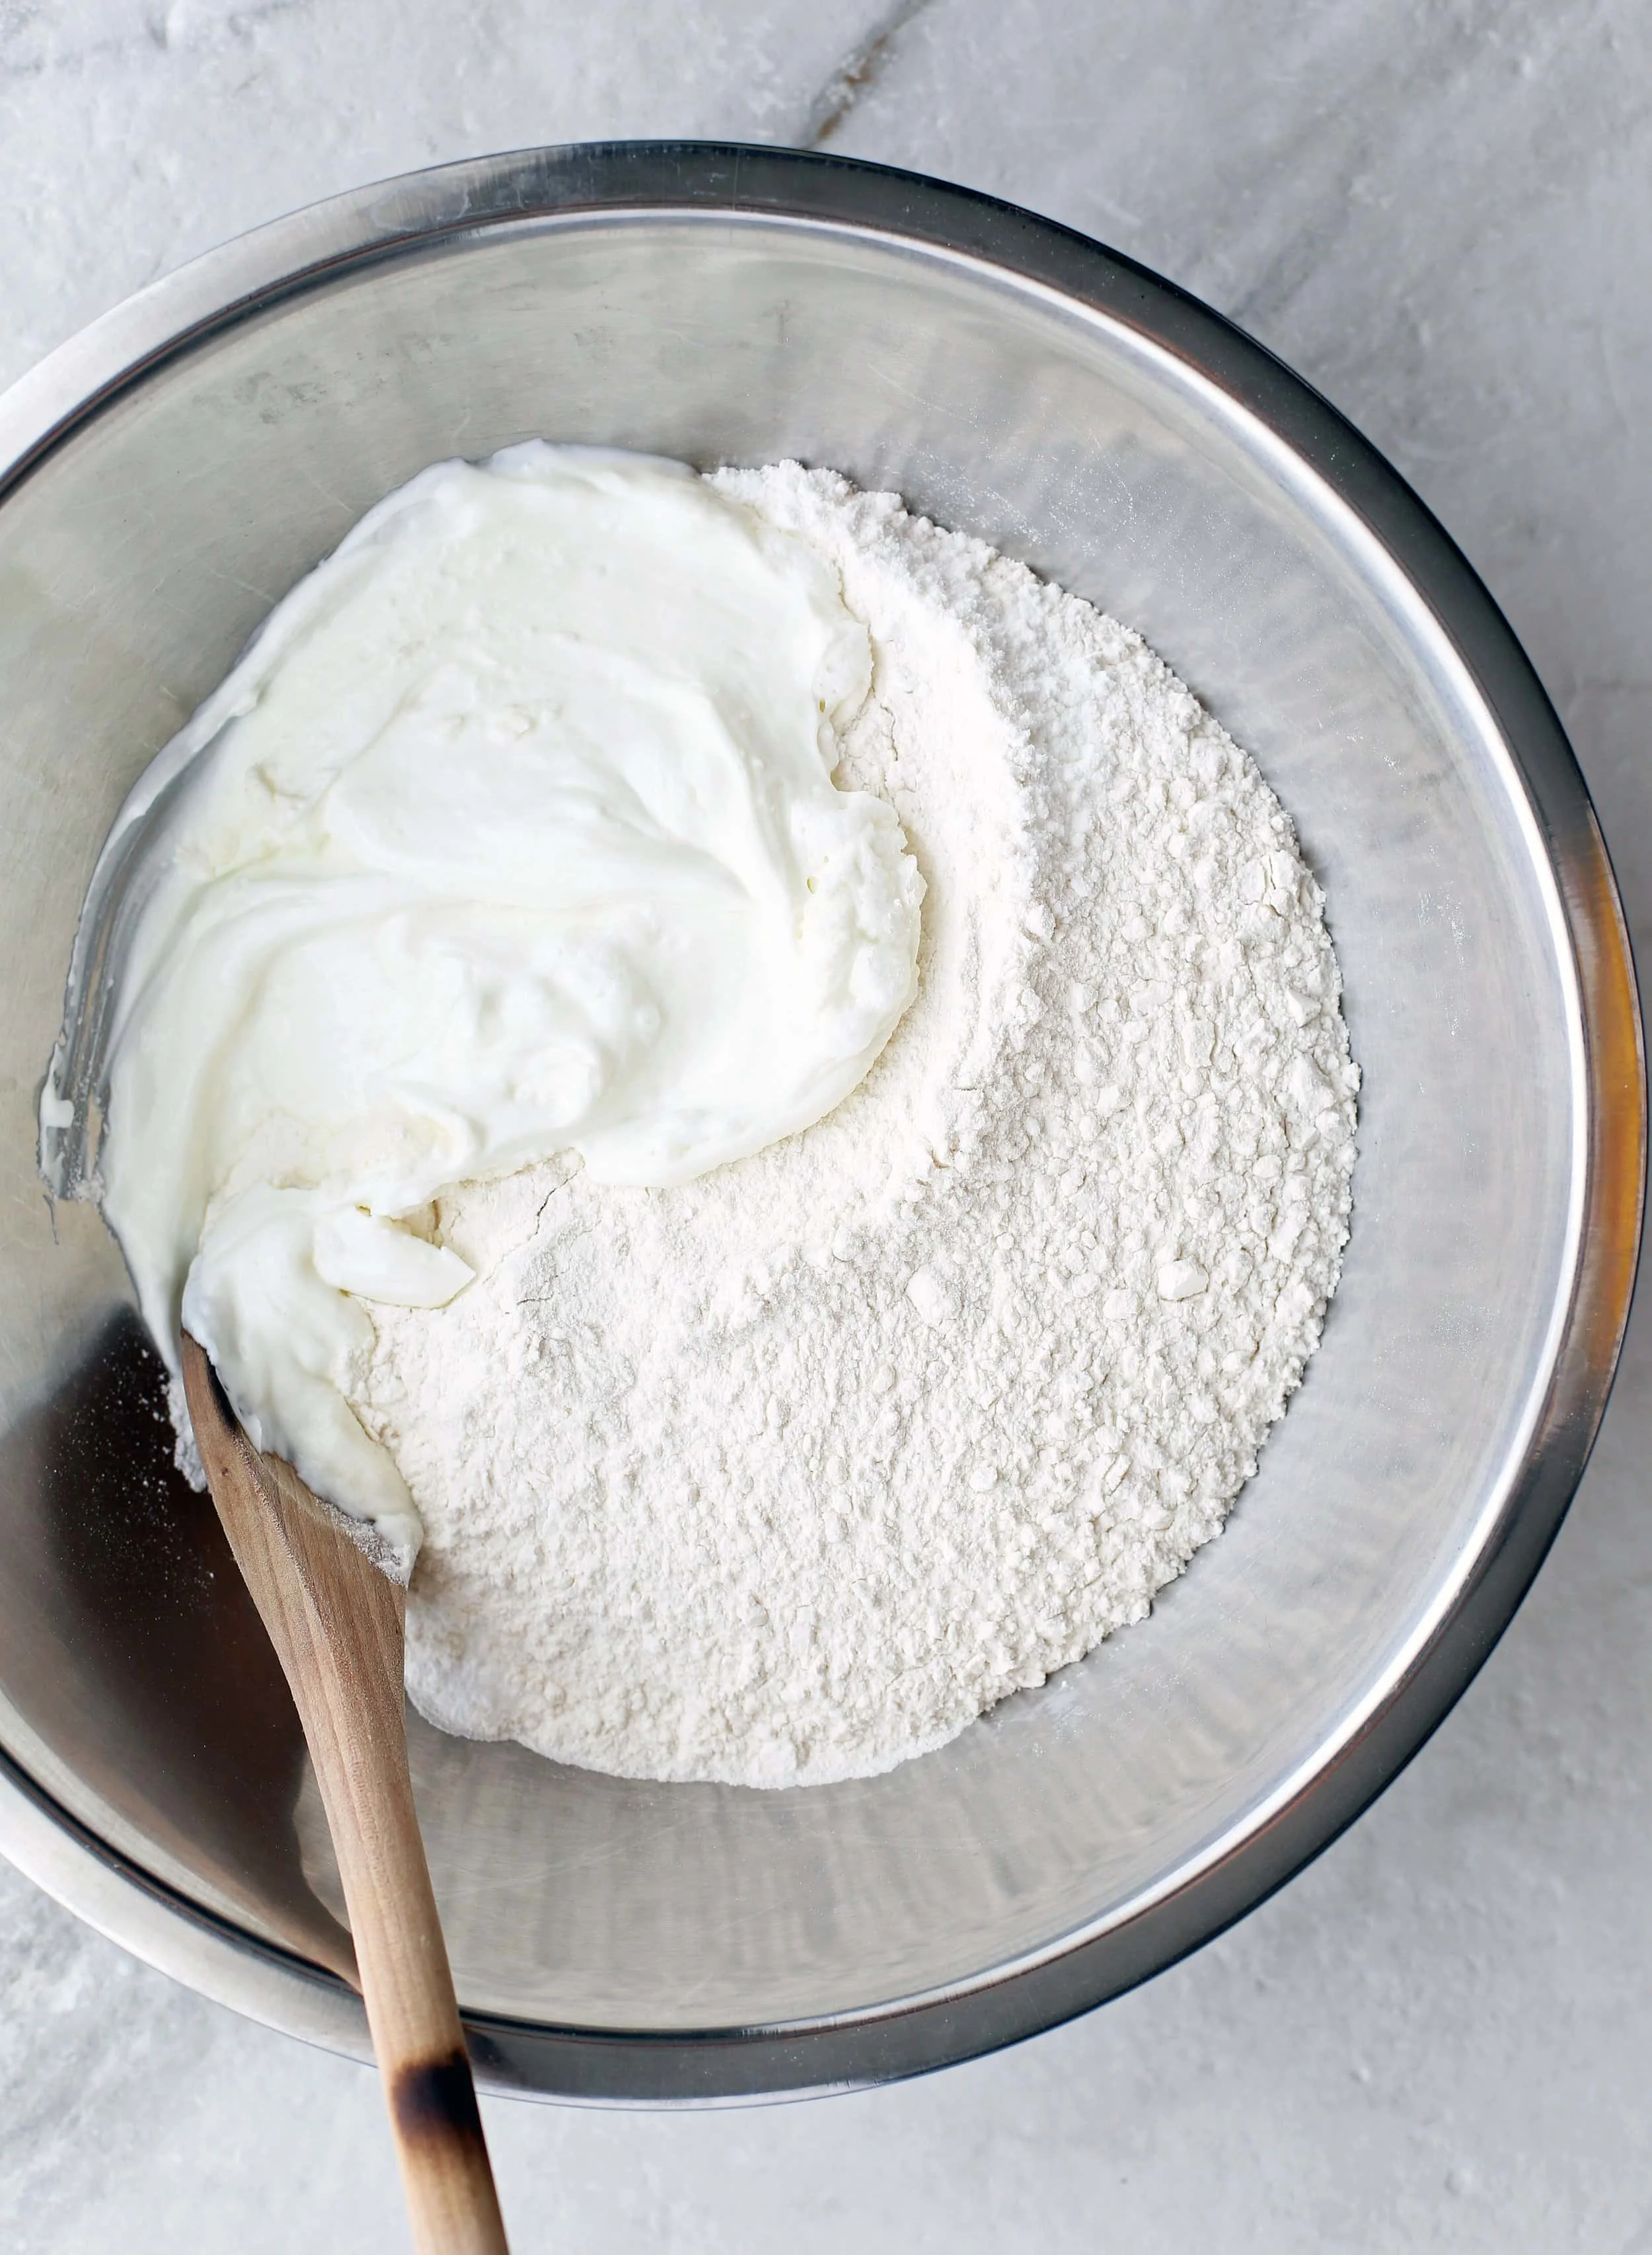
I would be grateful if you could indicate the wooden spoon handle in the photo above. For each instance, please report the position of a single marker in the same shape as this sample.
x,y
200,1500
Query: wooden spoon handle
x,y
336,1623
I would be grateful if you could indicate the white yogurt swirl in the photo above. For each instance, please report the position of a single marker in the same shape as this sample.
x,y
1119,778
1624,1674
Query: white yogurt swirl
x,y
514,834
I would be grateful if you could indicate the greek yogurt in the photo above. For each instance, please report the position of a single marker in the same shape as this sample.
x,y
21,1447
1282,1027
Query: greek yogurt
x,y
514,834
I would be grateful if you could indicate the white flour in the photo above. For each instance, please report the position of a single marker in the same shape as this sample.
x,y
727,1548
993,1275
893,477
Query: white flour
x,y
788,1473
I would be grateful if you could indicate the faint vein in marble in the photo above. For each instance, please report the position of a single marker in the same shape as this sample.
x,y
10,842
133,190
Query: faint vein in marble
x,y
856,74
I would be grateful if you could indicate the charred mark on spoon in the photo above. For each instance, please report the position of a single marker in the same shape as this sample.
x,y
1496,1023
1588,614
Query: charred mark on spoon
x,y
436,2099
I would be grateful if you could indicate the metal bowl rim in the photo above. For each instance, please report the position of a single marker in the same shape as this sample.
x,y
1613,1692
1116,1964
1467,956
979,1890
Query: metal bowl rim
x,y
449,206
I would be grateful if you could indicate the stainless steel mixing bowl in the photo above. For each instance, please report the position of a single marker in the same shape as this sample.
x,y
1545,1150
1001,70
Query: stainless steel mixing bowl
x,y
168,474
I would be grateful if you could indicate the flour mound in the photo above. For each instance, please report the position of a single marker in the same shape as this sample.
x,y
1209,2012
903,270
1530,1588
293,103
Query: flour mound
x,y
788,1473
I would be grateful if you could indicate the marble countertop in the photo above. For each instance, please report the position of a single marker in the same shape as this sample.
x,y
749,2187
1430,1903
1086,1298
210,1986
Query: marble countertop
x,y
1438,2036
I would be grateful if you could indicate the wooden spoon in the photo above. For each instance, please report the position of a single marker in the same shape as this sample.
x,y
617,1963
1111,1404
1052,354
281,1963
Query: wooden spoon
x,y
337,1624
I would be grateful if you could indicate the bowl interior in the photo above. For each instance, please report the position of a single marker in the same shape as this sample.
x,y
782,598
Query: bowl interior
x,y
134,562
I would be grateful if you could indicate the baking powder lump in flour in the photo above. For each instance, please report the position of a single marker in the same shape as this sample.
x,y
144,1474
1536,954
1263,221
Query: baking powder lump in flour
x,y
786,1474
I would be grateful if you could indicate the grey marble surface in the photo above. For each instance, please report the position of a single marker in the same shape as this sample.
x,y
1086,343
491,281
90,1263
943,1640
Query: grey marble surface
x,y
1438,210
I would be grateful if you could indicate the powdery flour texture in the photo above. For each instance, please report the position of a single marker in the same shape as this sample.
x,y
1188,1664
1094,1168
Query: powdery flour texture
x,y
788,1474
